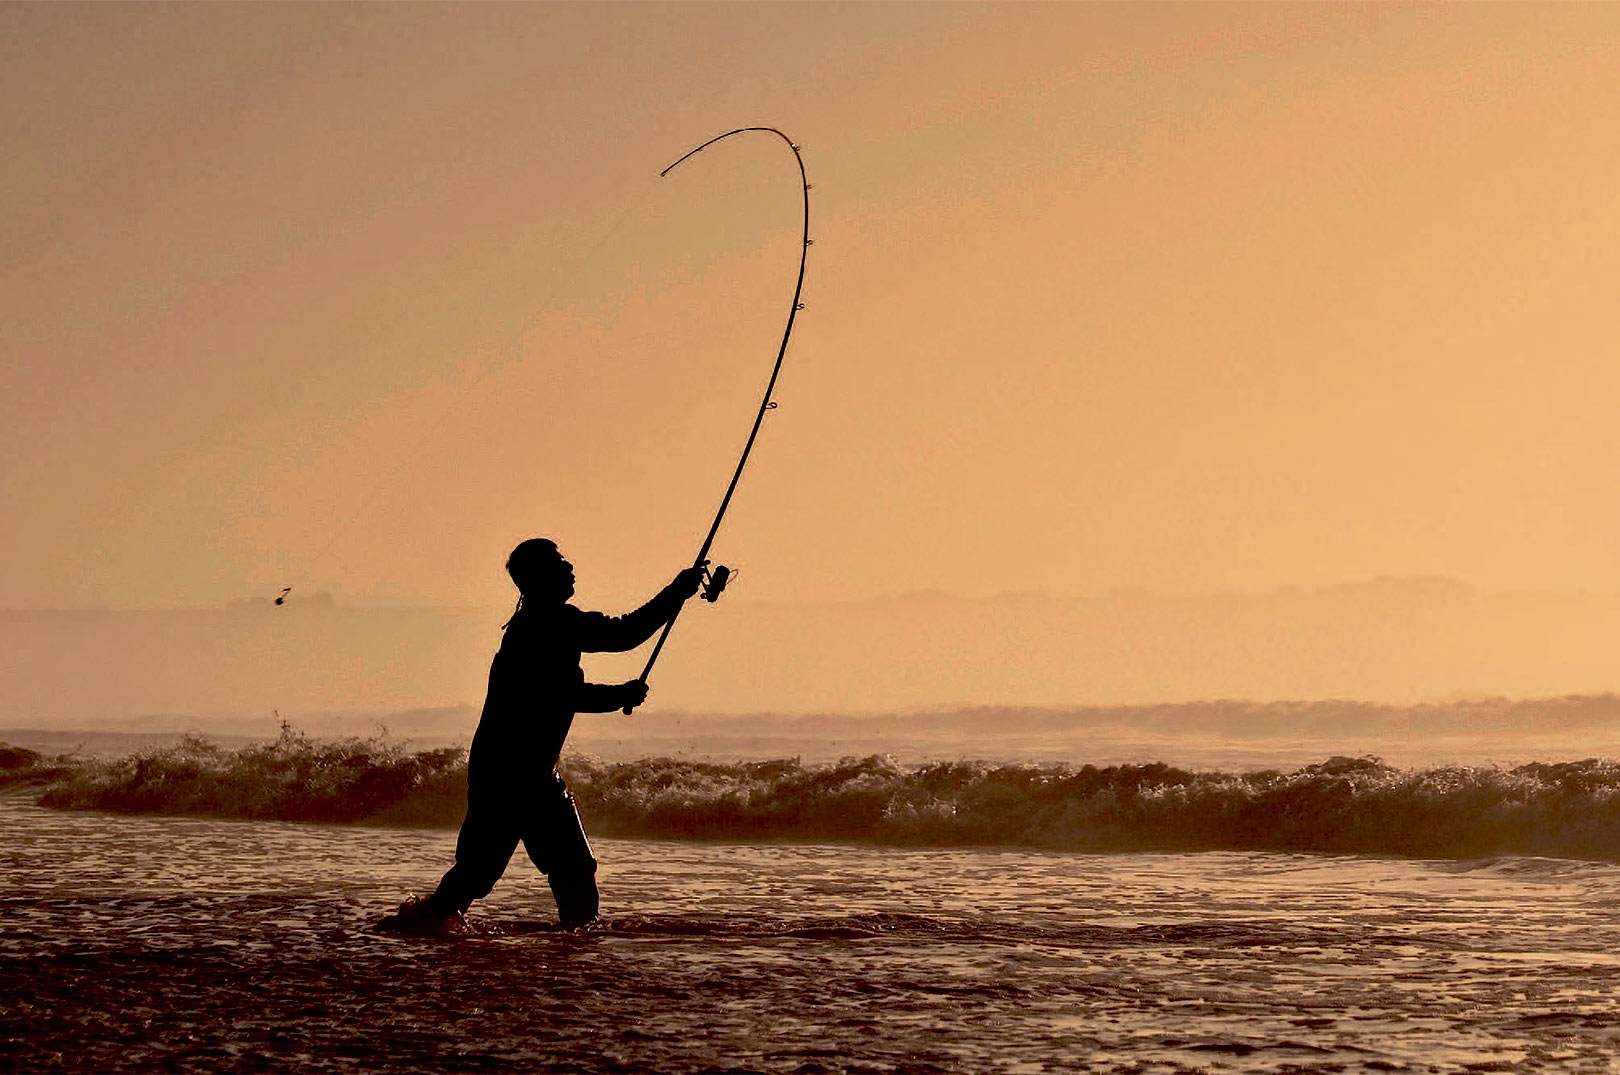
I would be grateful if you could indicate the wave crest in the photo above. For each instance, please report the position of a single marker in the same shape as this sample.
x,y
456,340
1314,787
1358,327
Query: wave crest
x,y
1349,805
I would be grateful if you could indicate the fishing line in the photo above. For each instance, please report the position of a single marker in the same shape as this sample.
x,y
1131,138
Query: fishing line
x,y
717,579
561,270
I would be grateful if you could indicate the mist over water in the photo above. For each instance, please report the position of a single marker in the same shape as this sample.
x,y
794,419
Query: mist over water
x,y
1396,642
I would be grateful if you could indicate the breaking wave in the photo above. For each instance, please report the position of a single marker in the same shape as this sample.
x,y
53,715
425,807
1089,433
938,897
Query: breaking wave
x,y
1347,805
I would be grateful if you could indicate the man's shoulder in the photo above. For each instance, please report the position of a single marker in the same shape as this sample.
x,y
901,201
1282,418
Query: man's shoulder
x,y
573,615
550,620
532,623
546,613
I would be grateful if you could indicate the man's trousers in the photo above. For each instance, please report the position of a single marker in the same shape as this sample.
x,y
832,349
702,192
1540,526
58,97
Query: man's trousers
x,y
540,814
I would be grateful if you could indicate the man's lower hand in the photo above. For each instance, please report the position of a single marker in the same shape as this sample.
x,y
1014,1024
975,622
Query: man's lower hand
x,y
635,692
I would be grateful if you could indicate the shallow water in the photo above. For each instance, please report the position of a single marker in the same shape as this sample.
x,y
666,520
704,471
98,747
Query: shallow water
x,y
142,943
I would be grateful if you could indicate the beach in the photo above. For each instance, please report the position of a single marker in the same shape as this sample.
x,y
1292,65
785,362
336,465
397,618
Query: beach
x,y
149,943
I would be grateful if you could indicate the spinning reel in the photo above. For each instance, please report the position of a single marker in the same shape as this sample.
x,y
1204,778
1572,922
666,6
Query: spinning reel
x,y
714,582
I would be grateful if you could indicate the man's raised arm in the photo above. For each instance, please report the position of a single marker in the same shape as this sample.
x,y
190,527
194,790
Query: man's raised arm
x,y
600,633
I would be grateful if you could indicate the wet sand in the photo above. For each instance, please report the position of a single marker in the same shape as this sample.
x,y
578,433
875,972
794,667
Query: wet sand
x,y
158,944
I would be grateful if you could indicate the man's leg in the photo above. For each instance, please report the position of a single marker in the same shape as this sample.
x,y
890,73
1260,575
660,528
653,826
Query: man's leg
x,y
556,843
576,896
488,836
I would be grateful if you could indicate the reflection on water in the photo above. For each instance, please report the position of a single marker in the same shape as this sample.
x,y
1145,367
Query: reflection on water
x,y
161,943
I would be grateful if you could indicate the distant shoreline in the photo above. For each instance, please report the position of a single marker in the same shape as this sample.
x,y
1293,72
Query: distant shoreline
x,y
1217,734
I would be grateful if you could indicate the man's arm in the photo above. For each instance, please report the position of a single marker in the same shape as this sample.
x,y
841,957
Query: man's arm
x,y
598,633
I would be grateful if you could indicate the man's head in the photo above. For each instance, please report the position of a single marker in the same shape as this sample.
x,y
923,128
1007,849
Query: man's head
x,y
540,571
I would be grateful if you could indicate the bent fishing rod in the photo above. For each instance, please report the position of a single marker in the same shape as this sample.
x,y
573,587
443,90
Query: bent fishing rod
x,y
716,580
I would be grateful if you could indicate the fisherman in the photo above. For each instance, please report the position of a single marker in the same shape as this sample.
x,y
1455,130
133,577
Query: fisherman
x,y
535,687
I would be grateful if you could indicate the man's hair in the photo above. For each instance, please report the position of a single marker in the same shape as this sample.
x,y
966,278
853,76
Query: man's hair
x,y
535,554
528,565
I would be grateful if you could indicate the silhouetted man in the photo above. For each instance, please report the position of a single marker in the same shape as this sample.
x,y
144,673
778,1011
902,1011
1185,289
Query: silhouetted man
x,y
535,687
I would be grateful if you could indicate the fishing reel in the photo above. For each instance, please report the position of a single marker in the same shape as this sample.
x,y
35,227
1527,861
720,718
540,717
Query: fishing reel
x,y
714,582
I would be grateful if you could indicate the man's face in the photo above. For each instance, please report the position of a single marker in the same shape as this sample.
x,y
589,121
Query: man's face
x,y
558,578
543,574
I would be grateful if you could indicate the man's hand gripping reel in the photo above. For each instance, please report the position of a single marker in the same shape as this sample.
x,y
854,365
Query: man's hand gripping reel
x,y
714,584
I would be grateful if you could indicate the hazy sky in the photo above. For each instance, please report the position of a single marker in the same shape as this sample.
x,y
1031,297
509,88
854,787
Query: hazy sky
x,y
1194,298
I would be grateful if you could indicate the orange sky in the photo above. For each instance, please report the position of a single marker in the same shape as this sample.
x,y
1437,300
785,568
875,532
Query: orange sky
x,y
1193,298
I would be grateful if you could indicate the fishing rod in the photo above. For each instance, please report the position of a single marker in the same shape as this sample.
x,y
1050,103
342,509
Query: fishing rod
x,y
715,581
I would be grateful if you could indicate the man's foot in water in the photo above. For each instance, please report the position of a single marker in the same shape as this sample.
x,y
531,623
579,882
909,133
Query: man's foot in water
x,y
575,924
417,917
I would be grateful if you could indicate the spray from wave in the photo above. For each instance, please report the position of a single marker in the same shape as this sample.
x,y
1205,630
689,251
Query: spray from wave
x,y
1342,805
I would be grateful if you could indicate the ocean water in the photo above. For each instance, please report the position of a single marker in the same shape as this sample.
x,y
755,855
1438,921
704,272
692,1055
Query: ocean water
x,y
150,943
